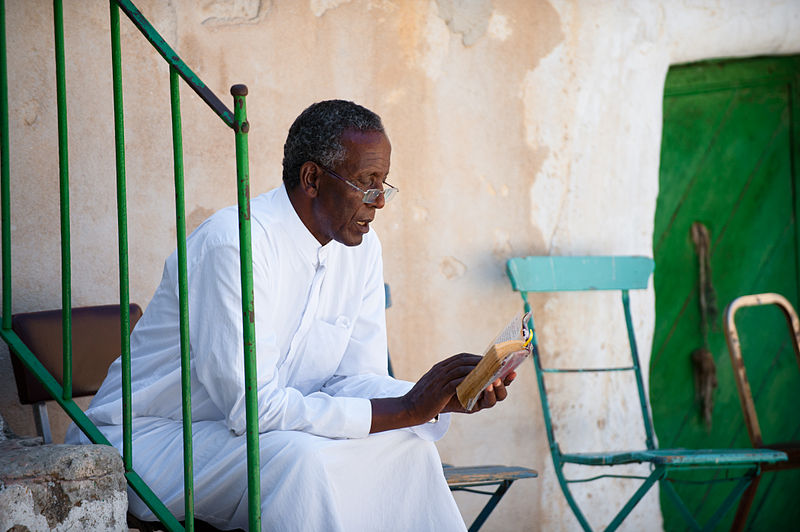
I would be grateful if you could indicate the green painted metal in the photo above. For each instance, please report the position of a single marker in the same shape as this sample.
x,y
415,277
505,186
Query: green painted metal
x,y
183,296
50,384
553,274
586,370
241,128
5,189
122,231
658,474
549,274
175,61
648,423
701,458
20,350
487,510
62,394
729,160
63,179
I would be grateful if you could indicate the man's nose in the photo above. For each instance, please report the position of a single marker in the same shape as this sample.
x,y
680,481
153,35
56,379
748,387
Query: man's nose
x,y
379,202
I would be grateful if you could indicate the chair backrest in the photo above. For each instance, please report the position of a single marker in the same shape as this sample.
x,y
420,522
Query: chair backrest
x,y
556,274
95,345
735,351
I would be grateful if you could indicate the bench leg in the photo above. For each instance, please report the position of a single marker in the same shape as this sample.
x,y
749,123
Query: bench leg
x,y
493,500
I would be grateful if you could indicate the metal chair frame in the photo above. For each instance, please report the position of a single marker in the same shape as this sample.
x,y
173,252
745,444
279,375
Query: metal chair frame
x,y
792,449
555,274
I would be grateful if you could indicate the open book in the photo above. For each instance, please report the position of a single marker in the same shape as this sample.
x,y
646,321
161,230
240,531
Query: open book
x,y
507,351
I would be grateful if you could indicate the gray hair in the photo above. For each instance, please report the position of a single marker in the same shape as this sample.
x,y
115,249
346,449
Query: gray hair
x,y
316,135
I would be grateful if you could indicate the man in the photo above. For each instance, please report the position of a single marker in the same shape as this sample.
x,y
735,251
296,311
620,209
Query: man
x,y
329,457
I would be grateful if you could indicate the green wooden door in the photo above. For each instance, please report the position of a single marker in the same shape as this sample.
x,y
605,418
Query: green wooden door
x,y
729,160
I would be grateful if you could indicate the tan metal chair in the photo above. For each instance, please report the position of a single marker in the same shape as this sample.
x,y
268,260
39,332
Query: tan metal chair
x,y
95,345
791,448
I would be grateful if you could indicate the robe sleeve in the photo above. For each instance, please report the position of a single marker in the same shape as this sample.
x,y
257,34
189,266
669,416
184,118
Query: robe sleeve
x,y
363,371
217,347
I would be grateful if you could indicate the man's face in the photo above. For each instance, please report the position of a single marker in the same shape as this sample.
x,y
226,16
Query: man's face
x,y
339,212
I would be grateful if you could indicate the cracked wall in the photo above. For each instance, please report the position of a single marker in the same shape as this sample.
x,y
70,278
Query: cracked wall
x,y
518,128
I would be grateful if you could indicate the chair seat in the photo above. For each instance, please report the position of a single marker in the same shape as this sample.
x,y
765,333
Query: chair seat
x,y
789,447
458,477
679,457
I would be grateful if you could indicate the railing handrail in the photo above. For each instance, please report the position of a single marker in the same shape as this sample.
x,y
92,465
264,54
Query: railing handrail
x,y
175,61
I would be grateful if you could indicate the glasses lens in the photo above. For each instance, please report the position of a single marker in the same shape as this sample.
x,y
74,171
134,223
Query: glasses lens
x,y
371,195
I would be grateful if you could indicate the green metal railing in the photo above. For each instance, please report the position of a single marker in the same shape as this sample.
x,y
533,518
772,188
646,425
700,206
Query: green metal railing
x,y
62,392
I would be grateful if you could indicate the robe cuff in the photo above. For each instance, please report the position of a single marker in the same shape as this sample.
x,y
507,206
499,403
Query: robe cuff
x,y
358,420
432,431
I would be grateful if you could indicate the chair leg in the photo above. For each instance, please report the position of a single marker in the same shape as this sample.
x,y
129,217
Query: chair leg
x,y
676,499
493,500
745,504
657,474
726,505
573,504
42,421
730,500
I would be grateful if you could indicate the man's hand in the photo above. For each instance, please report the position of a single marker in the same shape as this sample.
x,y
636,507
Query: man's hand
x,y
435,393
493,394
436,389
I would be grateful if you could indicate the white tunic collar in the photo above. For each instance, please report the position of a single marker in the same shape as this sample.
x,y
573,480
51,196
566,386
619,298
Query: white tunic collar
x,y
306,243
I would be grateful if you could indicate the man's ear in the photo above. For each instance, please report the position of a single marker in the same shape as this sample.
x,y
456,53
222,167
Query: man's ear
x,y
309,179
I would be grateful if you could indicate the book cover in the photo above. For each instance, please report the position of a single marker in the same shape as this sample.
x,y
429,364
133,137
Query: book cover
x,y
506,352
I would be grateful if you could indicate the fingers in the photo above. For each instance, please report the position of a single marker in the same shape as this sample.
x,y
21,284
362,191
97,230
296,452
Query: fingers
x,y
451,371
500,391
494,393
461,359
436,388
488,398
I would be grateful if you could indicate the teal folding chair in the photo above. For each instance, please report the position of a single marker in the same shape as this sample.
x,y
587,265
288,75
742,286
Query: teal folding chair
x,y
556,274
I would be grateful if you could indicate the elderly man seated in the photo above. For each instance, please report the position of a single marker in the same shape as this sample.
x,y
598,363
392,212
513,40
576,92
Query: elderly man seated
x,y
343,445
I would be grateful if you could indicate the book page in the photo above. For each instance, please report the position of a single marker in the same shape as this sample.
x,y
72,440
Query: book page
x,y
490,370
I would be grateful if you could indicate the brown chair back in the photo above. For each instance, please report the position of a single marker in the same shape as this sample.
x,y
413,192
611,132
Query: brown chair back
x,y
95,345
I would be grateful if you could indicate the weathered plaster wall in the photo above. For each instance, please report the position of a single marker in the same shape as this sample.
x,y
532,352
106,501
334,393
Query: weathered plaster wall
x,y
518,127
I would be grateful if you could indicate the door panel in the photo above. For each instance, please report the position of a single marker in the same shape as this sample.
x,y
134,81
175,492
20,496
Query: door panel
x,y
729,161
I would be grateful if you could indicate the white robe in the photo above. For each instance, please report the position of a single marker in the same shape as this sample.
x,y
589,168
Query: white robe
x,y
321,354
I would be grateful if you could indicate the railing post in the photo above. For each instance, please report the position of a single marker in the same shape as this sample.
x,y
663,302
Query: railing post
x,y
183,295
241,128
5,193
63,179
122,228
138,485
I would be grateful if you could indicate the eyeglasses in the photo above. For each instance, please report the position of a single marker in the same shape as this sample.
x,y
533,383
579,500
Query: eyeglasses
x,y
370,195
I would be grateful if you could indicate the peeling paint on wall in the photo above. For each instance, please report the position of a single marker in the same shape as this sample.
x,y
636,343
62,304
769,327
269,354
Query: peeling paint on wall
x,y
30,111
470,18
319,7
227,12
499,27
452,268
